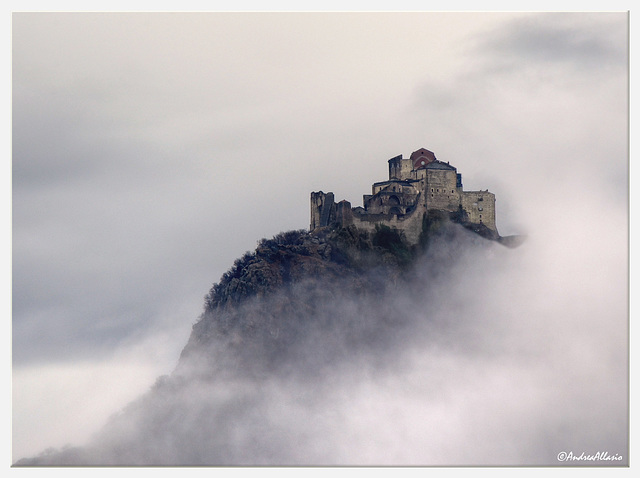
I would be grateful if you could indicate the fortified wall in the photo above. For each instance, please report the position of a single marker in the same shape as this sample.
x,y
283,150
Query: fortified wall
x,y
416,185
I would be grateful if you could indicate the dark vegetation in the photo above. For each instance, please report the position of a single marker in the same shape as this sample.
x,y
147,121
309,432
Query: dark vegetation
x,y
267,300
294,255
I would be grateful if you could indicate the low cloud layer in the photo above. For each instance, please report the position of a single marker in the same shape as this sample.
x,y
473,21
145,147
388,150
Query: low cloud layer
x,y
485,356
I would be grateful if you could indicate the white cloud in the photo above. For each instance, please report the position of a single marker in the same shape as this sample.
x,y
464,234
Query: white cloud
x,y
59,404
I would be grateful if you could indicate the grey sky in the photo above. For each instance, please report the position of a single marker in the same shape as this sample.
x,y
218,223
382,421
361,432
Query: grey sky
x,y
151,150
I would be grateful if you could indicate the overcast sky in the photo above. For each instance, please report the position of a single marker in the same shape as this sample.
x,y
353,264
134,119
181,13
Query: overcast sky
x,y
151,150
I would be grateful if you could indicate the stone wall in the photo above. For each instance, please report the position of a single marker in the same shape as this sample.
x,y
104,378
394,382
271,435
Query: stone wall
x,y
480,207
322,209
410,224
400,168
441,191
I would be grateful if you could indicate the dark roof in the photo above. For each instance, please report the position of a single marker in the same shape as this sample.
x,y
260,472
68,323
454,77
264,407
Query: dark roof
x,y
439,165
390,181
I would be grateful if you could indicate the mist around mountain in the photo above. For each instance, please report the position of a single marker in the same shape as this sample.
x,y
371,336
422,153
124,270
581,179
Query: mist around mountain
x,y
341,347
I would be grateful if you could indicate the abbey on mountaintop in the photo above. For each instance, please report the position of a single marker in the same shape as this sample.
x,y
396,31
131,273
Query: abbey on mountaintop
x,y
416,186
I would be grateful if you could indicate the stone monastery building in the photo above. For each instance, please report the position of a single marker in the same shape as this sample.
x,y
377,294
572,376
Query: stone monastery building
x,y
416,185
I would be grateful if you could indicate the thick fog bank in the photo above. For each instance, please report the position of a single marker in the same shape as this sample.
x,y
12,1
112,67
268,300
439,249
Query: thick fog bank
x,y
481,355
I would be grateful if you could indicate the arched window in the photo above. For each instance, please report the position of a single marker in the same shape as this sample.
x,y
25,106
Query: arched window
x,y
394,201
